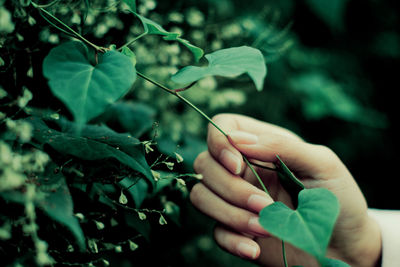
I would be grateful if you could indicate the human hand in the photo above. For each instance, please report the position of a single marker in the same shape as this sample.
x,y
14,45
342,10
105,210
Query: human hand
x,y
230,193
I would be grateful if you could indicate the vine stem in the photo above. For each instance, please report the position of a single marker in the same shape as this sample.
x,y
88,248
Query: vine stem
x,y
190,104
132,41
284,254
72,31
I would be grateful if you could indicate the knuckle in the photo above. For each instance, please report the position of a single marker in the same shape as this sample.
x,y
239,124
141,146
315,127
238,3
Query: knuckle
x,y
239,221
326,151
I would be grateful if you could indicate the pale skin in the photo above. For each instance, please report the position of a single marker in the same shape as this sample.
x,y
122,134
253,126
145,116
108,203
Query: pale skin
x,y
230,193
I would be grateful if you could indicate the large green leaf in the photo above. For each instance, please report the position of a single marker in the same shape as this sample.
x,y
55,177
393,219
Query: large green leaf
x,y
151,27
87,88
310,226
134,117
228,62
57,202
96,143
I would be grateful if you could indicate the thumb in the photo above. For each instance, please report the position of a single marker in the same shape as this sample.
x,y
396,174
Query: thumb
x,y
301,157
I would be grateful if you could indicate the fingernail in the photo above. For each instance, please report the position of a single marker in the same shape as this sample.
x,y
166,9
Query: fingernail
x,y
239,137
258,202
247,250
231,161
256,228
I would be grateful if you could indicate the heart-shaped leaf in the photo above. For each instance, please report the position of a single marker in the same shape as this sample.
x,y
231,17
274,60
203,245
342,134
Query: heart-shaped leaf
x,y
84,88
152,27
310,226
228,62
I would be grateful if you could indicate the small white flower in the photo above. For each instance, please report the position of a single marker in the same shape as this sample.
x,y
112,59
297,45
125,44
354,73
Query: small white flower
x,y
80,216
132,245
162,220
141,215
181,182
170,165
99,225
25,98
178,157
123,199
156,175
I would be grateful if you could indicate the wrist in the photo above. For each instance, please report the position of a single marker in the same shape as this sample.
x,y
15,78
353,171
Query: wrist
x,y
368,249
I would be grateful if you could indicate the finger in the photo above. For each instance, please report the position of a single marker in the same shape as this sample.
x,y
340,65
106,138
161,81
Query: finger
x,y
234,217
237,192
251,125
236,244
300,156
224,152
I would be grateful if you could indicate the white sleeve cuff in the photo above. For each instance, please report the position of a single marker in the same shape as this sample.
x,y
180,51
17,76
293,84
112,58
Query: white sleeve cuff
x,y
389,223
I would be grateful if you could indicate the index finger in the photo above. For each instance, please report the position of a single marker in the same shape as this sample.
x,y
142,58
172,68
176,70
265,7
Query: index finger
x,y
222,150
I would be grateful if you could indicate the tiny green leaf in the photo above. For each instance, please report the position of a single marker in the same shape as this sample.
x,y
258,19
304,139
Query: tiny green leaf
x,y
151,27
131,4
310,226
84,88
228,62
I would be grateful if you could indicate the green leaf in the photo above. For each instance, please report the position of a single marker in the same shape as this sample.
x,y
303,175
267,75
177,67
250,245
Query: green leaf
x,y
134,117
131,4
288,180
331,12
229,62
96,143
57,202
151,27
310,226
87,89
334,263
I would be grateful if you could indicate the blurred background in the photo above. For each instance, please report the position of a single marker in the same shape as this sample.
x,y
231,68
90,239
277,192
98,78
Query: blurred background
x,y
332,72
332,66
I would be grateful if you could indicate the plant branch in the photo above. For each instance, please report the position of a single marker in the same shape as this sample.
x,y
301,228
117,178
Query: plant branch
x,y
70,30
132,41
284,254
190,104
